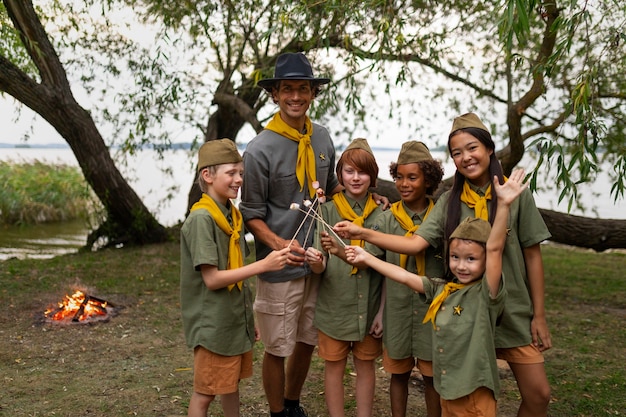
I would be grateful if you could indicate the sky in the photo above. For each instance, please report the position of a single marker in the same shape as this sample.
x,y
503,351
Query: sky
x,y
38,131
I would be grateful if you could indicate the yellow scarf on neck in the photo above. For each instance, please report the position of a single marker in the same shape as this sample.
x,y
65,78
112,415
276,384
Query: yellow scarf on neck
x,y
346,212
448,289
235,257
398,211
475,201
305,166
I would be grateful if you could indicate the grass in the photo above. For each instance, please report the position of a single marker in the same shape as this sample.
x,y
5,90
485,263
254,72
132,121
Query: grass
x,y
136,364
37,192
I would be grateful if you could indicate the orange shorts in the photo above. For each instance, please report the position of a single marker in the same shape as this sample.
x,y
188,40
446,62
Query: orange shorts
x,y
529,354
331,349
402,366
215,374
479,403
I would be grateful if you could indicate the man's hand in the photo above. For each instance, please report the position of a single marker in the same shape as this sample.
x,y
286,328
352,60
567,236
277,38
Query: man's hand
x,y
329,244
381,199
296,253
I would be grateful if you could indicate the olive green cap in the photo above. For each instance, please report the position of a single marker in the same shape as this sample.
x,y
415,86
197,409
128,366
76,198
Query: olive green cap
x,y
413,152
217,152
359,143
472,229
467,120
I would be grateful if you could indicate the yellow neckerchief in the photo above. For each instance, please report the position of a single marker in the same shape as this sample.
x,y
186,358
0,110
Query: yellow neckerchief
x,y
305,166
448,289
398,211
475,201
346,212
235,258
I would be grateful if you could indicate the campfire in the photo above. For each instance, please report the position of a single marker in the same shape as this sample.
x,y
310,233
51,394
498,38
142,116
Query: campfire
x,y
79,308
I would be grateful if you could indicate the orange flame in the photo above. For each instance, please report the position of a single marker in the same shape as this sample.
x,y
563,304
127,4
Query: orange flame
x,y
77,307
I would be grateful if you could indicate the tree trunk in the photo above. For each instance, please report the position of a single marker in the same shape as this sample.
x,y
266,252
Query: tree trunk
x,y
584,232
128,220
232,113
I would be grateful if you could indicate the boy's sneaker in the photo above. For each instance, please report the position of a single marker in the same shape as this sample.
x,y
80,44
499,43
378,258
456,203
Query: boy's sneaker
x,y
295,412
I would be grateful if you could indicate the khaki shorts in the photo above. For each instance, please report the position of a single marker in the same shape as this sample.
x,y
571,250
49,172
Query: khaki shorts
x,y
335,350
402,366
215,374
527,355
284,313
479,403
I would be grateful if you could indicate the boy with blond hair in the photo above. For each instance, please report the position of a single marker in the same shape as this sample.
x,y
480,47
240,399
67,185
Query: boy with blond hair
x,y
216,301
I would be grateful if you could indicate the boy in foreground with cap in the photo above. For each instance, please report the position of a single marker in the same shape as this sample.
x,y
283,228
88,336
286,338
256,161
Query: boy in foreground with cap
x,y
215,301
464,312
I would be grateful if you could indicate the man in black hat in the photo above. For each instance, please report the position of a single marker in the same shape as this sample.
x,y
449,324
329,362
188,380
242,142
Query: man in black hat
x,y
285,164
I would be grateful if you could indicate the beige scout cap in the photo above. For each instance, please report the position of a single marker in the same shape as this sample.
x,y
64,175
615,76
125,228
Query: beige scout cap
x,y
467,120
472,229
413,152
217,152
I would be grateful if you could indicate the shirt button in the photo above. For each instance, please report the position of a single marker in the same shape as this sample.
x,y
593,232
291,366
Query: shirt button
x,y
443,372
438,328
443,308
360,317
360,295
440,350
415,312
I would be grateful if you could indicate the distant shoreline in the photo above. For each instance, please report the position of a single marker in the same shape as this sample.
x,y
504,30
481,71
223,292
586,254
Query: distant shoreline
x,y
34,146
173,146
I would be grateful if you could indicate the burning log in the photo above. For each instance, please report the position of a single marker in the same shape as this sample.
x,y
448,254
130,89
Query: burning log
x,y
78,308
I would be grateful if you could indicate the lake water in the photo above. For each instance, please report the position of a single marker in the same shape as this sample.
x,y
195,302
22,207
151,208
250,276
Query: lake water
x,y
166,196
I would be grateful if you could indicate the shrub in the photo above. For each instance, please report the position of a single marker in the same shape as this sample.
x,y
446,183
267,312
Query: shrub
x,y
36,192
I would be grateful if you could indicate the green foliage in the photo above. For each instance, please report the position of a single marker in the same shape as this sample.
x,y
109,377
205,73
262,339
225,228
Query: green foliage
x,y
37,193
11,44
558,66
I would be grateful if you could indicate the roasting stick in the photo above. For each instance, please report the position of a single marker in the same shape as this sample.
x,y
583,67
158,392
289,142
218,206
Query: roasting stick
x,y
291,207
296,206
315,215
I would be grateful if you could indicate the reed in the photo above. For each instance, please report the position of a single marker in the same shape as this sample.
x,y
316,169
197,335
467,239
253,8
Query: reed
x,y
37,192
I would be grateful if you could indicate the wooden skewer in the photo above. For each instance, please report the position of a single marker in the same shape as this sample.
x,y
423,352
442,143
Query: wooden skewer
x,y
315,215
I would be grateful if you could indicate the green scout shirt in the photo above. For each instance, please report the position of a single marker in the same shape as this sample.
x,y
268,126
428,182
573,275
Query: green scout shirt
x,y
404,334
464,354
221,320
527,228
346,304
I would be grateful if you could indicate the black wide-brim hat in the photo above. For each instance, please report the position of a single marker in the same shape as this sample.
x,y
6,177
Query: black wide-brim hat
x,y
292,66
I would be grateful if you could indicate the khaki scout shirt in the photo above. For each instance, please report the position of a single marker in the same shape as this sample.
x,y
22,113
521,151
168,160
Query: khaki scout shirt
x,y
464,354
347,304
221,320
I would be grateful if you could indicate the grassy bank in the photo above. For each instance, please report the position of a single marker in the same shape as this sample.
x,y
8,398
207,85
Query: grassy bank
x,y
37,192
137,364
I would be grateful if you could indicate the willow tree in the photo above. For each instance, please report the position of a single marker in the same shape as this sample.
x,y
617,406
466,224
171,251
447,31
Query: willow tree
x,y
548,74
32,73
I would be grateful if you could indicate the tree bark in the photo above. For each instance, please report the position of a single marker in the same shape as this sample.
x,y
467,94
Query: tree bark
x,y
128,220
